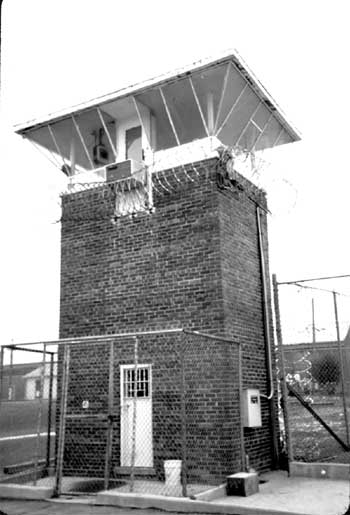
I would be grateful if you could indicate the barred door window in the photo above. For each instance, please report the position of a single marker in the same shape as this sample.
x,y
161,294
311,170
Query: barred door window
x,y
142,382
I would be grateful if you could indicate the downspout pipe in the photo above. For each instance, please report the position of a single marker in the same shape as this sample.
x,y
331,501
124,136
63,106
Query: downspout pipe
x,y
267,335
267,332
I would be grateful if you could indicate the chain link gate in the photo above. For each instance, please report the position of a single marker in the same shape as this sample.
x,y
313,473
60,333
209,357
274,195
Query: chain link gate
x,y
84,415
28,387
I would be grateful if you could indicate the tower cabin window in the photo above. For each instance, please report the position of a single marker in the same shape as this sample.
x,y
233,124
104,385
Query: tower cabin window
x,y
133,143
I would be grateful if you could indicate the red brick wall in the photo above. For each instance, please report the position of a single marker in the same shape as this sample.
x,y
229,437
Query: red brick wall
x,y
242,296
193,263
148,272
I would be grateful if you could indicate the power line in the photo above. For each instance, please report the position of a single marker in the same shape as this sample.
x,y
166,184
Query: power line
x,y
315,279
296,283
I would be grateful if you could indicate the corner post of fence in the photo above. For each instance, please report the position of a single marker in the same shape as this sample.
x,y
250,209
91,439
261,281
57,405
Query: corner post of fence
x,y
282,371
40,410
49,413
183,414
108,457
62,422
341,363
240,400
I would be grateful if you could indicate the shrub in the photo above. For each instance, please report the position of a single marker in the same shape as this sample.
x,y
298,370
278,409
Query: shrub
x,y
326,371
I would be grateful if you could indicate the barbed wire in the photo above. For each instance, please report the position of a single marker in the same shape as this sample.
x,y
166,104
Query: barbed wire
x,y
236,169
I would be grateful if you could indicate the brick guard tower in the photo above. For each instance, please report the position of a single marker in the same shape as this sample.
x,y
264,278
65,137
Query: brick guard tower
x,y
160,229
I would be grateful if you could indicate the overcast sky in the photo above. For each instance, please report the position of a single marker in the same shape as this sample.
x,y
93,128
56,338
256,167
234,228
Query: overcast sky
x,y
59,53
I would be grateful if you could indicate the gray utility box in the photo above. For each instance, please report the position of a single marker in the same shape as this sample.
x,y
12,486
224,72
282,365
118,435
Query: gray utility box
x,y
251,408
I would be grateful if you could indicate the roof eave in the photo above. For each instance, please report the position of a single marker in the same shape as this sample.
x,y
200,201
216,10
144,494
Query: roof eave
x,y
178,74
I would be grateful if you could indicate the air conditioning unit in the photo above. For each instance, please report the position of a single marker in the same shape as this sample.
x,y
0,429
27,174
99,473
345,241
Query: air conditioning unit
x,y
123,170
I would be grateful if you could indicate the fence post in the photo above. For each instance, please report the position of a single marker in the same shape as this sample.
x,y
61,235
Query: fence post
x,y
241,423
49,413
38,428
183,417
10,390
108,457
62,424
282,370
342,375
133,441
1,382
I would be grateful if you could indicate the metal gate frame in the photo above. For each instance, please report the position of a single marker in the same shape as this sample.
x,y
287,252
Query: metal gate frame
x,y
108,417
36,471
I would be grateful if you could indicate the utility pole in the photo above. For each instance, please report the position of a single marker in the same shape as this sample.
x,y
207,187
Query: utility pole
x,y
313,321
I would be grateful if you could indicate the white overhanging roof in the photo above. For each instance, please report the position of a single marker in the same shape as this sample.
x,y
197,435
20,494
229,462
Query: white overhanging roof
x,y
241,112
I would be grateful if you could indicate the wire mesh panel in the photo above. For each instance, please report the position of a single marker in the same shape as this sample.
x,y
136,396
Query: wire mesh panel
x,y
178,427
28,378
147,436
312,440
84,412
314,374
315,353
212,414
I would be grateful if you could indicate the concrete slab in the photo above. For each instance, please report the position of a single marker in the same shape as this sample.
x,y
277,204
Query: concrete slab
x,y
212,493
295,495
141,486
14,491
184,505
17,507
23,507
280,495
320,470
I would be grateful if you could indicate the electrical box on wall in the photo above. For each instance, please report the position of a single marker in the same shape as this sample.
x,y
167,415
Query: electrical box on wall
x,y
251,408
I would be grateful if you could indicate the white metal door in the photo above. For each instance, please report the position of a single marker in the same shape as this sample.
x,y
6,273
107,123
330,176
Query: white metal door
x,y
142,404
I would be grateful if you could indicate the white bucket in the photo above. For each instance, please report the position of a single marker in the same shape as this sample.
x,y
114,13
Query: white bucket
x,y
172,469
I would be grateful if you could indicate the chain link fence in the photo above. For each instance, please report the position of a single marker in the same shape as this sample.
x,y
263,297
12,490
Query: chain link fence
x,y
28,390
156,413
314,365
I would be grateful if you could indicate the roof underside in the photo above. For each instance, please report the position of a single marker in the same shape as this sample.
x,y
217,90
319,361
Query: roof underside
x,y
240,112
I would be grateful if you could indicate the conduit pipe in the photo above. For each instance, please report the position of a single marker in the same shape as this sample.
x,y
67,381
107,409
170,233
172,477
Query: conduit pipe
x,y
267,332
267,335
